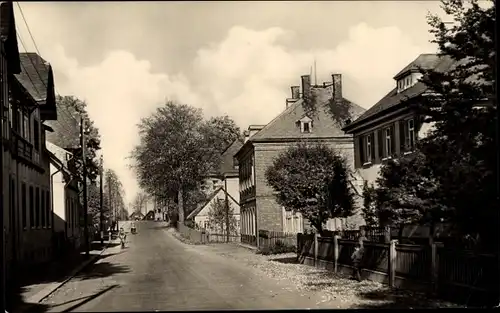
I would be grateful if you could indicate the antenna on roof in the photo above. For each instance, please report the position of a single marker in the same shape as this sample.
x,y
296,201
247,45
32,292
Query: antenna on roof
x,y
315,76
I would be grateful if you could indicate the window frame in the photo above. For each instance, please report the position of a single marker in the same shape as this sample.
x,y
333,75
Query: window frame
x,y
367,142
388,142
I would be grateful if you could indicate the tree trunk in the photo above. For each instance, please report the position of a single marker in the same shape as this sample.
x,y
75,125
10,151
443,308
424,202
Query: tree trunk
x,y
180,204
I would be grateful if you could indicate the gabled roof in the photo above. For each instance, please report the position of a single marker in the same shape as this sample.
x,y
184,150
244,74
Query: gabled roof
x,y
8,35
65,122
209,199
135,214
227,158
37,79
285,125
394,98
425,61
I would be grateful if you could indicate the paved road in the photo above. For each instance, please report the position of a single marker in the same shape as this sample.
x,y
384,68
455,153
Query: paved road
x,y
157,272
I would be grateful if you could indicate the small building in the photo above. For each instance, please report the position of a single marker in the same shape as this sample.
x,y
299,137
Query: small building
x,y
259,208
201,215
65,200
136,216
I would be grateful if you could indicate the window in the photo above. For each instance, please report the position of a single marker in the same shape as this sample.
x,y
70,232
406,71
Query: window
x,y
235,163
43,209
306,127
37,207
32,207
36,135
23,205
407,135
386,144
368,148
26,127
305,124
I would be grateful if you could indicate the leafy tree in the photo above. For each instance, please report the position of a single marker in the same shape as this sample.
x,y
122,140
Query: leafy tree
x,y
113,191
217,217
67,132
453,175
178,149
312,180
369,209
172,155
219,133
140,202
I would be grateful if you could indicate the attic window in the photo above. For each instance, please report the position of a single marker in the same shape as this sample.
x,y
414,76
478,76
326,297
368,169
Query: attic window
x,y
405,83
305,124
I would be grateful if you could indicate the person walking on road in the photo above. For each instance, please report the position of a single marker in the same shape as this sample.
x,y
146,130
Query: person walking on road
x,y
357,256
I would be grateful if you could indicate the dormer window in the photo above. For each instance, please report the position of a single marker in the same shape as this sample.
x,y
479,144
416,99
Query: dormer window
x,y
404,83
305,124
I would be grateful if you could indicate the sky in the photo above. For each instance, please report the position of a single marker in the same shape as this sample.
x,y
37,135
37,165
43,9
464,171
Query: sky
x,y
125,59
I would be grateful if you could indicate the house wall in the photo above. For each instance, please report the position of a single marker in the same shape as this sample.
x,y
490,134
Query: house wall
x,y
233,187
270,213
202,218
58,201
369,171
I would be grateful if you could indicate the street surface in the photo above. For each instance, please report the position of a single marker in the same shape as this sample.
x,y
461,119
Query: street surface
x,y
157,272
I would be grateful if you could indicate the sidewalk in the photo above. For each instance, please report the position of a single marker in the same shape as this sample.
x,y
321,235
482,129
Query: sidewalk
x,y
36,283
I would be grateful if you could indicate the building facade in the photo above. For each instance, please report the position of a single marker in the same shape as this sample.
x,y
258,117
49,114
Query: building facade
x,y
65,200
263,144
391,127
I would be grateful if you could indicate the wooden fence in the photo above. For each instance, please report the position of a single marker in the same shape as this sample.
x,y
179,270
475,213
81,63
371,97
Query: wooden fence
x,y
270,239
221,238
454,274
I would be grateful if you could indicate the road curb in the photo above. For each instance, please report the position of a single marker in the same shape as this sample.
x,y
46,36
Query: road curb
x,y
49,290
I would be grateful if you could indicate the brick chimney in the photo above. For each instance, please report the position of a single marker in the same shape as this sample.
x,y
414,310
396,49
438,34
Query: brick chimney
x,y
306,84
295,96
337,88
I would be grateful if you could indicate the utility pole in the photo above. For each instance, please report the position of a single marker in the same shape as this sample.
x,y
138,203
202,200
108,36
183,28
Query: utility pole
x,y
110,199
227,209
101,200
85,200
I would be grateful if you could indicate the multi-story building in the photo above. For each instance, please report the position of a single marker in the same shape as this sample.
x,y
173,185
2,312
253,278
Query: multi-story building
x,y
391,127
259,209
32,103
9,66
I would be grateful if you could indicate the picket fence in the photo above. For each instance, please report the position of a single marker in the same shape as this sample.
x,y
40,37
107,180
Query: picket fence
x,y
457,275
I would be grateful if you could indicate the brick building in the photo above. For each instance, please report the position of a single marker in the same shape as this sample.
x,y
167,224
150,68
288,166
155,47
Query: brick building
x,y
259,209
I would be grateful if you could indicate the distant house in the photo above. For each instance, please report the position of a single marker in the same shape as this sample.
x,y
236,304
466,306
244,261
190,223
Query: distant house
x,y
65,199
200,215
263,144
391,127
136,216
150,216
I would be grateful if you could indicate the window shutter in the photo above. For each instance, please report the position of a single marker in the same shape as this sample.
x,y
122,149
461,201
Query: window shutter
x,y
402,136
372,135
381,143
393,141
361,150
417,122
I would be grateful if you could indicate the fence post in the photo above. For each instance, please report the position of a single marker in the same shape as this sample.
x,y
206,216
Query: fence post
x,y
392,262
316,248
387,234
434,268
335,252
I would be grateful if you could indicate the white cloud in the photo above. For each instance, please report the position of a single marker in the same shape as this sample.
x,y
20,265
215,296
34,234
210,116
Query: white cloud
x,y
247,76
